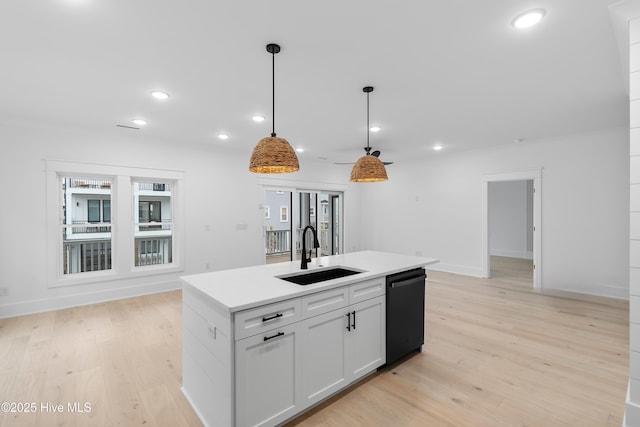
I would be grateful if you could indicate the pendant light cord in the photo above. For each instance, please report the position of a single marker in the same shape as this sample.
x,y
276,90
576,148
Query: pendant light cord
x,y
273,94
368,149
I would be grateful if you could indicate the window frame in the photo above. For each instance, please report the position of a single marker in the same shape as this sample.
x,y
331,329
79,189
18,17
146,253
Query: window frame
x,y
122,228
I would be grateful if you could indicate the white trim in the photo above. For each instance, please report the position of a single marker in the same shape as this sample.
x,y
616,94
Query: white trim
x,y
511,253
56,303
457,269
287,184
534,174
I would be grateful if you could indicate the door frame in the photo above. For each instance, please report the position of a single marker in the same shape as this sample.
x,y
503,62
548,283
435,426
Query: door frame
x,y
534,174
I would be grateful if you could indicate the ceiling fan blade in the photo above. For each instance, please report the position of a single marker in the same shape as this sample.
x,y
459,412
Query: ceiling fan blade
x,y
387,163
376,153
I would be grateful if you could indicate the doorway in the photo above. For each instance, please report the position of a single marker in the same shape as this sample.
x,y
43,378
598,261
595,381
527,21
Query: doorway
x,y
289,211
519,238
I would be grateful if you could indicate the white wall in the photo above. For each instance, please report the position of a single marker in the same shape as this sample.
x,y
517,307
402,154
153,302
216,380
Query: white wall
x,y
632,411
219,192
511,219
435,208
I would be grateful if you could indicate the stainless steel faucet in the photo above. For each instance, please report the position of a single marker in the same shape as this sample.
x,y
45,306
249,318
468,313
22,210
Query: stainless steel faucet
x,y
316,244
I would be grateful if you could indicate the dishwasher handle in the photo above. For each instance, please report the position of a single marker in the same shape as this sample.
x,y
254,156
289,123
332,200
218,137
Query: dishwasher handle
x,y
411,281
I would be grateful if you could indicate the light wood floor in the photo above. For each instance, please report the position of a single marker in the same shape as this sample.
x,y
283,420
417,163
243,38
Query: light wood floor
x,y
496,354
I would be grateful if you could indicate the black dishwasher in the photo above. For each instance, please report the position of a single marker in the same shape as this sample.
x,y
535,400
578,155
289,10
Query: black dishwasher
x,y
405,313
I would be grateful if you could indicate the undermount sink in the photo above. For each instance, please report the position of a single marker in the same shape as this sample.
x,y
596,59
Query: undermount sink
x,y
320,275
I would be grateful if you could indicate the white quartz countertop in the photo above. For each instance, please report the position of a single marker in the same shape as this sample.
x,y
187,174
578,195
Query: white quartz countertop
x,y
243,288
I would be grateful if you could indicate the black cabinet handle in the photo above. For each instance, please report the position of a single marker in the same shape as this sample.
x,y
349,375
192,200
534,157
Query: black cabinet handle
x,y
418,280
275,316
279,334
354,319
348,321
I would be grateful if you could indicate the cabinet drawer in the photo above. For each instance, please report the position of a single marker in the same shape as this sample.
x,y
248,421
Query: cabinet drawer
x,y
263,318
324,302
366,290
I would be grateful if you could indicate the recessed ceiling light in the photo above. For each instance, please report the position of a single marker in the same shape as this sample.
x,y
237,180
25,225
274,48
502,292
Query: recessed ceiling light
x,y
257,118
299,150
528,19
158,94
375,128
438,147
139,122
223,136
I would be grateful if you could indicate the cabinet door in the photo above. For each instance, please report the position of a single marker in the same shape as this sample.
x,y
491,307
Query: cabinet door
x,y
366,340
268,377
323,355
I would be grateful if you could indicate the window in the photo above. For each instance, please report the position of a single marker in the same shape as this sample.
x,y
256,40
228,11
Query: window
x,y
85,248
88,241
93,208
149,211
153,242
106,211
284,213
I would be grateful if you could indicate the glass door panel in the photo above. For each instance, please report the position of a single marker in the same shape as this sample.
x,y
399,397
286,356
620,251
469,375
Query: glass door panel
x,y
307,215
335,224
277,226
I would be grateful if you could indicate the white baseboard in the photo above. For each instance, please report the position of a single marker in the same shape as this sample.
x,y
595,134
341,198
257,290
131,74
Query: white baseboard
x,y
511,254
600,291
456,269
631,412
57,303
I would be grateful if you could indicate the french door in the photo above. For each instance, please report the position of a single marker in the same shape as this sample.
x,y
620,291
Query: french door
x,y
289,211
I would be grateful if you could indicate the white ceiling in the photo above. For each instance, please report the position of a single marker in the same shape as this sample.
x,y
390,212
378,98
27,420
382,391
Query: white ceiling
x,y
453,72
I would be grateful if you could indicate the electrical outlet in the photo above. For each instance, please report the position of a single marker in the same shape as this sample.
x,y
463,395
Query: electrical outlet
x,y
4,292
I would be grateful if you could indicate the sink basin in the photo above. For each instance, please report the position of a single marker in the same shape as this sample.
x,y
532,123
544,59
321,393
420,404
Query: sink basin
x,y
319,275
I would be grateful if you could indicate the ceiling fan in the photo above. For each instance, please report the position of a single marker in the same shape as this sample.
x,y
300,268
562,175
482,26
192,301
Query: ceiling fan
x,y
375,153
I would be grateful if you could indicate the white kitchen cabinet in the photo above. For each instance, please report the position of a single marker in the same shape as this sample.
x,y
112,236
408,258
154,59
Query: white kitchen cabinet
x,y
324,355
366,340
268,374
342,345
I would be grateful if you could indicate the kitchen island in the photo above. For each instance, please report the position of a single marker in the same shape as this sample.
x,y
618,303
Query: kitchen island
x,y
259,349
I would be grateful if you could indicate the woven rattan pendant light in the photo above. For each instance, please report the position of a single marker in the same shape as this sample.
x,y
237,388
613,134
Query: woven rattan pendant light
x,y
273,154
368,168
